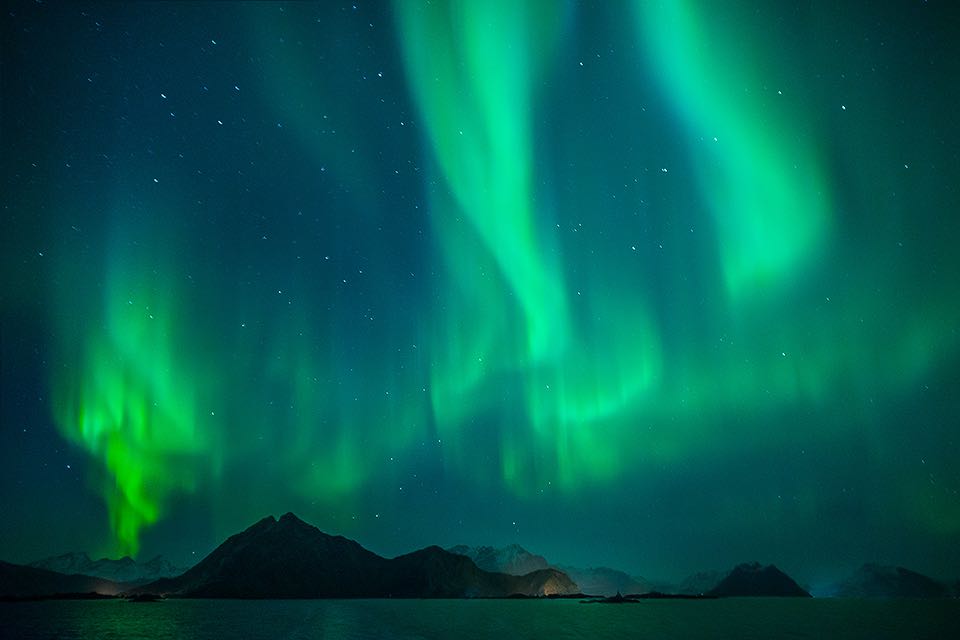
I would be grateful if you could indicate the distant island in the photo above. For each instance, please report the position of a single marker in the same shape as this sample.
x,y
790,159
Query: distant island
x,y
288,558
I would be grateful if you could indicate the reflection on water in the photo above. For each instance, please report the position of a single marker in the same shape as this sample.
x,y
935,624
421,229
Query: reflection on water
x,y
466,619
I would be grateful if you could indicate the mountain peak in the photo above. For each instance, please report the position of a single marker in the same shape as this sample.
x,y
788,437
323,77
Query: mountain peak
x,y
263,523
754,579
291,518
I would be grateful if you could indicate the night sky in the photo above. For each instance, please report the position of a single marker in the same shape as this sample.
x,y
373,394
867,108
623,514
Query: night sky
x,y
659,286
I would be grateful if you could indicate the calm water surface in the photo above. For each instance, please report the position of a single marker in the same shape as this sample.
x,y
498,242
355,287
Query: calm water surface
x,y
465,619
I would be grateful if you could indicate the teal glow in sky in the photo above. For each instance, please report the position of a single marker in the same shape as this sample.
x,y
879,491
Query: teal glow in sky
x,y
659,285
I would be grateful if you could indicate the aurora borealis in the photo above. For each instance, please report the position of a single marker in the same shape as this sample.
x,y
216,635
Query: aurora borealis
x,y
664,286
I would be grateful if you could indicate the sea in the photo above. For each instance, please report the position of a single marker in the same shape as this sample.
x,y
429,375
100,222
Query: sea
x,y
466,619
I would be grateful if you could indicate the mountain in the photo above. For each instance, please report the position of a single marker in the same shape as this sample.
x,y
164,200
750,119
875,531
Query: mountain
x,y
877,581
20,581
512,559
125,569
159,567
603,581
516,560
288,558
700,583
435,573
278,558
756,580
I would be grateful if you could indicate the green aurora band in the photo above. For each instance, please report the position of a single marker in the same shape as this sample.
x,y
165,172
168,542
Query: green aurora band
x,y
760,177
131,399
567,364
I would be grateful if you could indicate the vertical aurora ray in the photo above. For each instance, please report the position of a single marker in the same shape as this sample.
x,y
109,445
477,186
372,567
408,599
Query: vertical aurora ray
x,y
758,171
506,321
129,390
470,66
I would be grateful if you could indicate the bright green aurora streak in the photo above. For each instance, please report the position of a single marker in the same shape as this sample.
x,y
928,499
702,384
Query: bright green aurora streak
x,y
760,177
132,400
472,66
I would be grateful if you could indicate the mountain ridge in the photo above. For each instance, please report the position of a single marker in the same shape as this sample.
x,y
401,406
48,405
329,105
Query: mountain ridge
x,y
292,559
289,558
124,569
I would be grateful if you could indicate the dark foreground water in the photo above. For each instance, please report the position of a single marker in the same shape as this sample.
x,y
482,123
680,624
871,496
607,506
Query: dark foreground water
x,y
465,619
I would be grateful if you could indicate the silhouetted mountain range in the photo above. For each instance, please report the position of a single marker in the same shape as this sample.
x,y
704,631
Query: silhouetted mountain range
x,y
288,558
877,581
125,569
